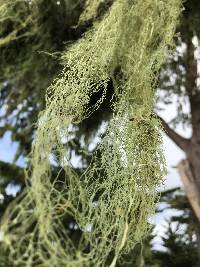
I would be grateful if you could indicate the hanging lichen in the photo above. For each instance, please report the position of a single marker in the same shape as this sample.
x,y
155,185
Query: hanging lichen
x,y
112,201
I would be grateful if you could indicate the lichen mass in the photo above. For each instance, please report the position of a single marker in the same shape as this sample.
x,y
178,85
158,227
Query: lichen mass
x,y
113,199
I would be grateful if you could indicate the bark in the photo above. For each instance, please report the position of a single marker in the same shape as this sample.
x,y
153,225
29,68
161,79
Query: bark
x,y
197,231
180,141
193,156
193,195
190,169
191,189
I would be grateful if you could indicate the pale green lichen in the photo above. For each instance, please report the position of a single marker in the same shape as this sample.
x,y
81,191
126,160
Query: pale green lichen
x,y
10,12
112,201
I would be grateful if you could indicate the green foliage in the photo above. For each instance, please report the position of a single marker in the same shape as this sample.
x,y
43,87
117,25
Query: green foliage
x,y
180,249
112,200
32,35
141,256
179,239
179,246
176,81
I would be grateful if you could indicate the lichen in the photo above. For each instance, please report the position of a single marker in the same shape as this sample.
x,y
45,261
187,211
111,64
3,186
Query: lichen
x,y
113,199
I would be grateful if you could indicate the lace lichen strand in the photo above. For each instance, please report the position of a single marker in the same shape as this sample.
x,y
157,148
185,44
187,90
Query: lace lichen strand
x,y
110,203
90,11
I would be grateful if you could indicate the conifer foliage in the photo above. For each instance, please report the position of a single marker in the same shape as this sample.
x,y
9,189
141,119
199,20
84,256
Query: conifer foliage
x,y
113,199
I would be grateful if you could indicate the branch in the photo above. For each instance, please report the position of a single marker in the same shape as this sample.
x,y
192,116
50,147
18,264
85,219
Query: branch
x,y
11,172
180,141
190,186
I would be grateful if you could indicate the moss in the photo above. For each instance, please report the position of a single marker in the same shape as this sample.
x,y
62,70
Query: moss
x,y
113,199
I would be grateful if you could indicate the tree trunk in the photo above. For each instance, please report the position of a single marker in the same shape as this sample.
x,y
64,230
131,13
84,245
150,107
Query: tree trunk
x,y
197,231
190,169
191,186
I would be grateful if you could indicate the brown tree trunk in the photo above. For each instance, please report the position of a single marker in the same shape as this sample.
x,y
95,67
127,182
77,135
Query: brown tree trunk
x,y
190,169
193,194
197,231
191,188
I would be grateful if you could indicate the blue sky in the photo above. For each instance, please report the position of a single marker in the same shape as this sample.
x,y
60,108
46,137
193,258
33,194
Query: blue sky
x,y
172,153
8,148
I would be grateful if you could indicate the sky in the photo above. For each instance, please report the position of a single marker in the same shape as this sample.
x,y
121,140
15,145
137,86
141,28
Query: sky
x,y
172,154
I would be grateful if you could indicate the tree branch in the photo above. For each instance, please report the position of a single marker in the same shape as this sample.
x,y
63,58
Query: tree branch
x,y
11,172
180,141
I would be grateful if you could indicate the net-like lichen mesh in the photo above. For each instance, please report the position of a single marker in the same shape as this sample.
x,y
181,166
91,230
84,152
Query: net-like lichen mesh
x,y
90,10
112,201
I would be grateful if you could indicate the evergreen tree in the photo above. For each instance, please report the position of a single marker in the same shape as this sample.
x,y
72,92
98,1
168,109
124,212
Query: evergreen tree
x,y
179,239
28,65
37,44
180,78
